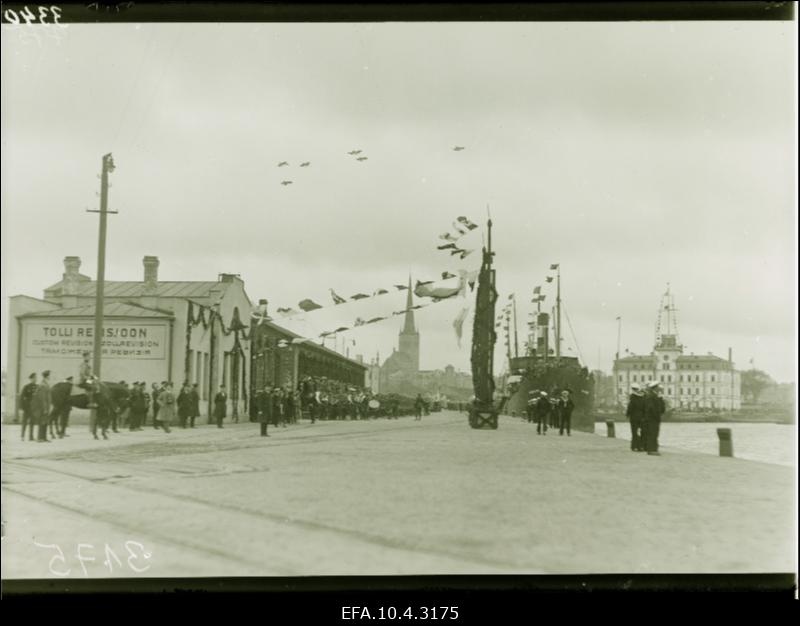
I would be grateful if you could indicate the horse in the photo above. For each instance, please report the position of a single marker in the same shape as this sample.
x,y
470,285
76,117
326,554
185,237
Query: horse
x,y
107,396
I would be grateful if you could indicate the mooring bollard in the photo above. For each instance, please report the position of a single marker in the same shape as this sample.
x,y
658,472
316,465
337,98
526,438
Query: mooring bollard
x,y
725,441
610,430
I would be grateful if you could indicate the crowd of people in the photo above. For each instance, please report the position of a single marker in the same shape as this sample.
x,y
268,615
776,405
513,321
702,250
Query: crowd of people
x,y
645,410
550,411
314,398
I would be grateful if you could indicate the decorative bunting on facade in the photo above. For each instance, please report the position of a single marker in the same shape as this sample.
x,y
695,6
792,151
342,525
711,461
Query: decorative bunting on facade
x,y
308,305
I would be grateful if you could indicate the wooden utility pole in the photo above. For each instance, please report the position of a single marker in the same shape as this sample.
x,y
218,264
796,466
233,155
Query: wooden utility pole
x,y
108,167
516,340
558,311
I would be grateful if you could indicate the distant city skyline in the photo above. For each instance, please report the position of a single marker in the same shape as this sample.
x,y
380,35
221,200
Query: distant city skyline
x,y
632,154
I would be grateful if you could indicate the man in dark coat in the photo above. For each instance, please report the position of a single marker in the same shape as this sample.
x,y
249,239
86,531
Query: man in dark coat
x,y
156,405
419,404
265,410
40,407
138,406
654,408
221,405
184,404
542,413
565,408
25,399
635,414
194,404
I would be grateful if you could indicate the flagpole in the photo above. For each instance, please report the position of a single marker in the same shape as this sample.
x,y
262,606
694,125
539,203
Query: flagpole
x,y
516,342
558,310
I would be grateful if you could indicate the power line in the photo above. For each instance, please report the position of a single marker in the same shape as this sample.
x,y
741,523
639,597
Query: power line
x,y
569,323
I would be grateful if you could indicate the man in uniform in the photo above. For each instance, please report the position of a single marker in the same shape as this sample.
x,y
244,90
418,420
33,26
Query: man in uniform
x,y
221,405
86,378
635,414
194,405
156,404
25,398
542,413
565,406
41,406
654,408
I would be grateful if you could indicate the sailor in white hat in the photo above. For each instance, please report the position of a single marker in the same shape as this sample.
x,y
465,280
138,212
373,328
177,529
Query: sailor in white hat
x,y
635,414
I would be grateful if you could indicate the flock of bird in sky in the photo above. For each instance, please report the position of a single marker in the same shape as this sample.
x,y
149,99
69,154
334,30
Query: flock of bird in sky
x,y
354,153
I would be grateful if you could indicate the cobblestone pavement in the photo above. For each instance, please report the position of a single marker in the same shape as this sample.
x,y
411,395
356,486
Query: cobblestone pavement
x,y
383,497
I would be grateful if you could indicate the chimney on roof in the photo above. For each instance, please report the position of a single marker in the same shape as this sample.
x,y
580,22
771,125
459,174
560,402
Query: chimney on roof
x,y
229,278
730,356
71,278
150,275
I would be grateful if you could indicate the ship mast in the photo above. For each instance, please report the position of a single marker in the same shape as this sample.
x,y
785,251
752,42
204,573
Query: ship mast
x,y
558,311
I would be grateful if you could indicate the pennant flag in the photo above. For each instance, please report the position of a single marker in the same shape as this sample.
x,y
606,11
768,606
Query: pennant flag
x,y
401,287
359,322
300,339
448,237
326,334
446,275
549,279
286,311
469,225
417,306
472,285
308,305
440,289
554,266
466,253
446,246
380,292
376,319
341,329
359,296
458,229
458,323
456,251
283,343
511,296
337,299
537,290
617,319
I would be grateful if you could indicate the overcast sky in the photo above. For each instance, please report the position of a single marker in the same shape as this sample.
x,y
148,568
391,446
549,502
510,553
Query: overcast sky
x,y
633,154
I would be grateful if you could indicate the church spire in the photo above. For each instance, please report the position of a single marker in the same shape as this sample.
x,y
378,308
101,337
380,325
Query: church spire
x,y
409,327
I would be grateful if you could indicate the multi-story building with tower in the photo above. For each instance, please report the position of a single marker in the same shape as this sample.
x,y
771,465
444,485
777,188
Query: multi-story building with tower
x,y
689,381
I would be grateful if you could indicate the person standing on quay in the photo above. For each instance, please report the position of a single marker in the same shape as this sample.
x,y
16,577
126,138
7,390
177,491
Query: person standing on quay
x,y
220,405
156,393
25,400
136,407
419,403
654,408
542,413
565,408
635,414
184,405
194,405
166,412
265,409
40,405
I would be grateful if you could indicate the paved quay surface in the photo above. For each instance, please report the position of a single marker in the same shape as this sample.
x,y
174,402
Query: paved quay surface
x,y
383,497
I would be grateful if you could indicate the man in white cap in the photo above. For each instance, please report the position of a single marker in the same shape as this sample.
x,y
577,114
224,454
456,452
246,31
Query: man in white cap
x,y
653,410
635,414
542,413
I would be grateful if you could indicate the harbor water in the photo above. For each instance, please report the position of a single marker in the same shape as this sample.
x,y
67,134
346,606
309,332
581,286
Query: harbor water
x,y
767,443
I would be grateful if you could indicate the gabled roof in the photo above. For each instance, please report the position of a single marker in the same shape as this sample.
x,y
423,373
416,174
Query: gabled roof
x,y
700,357
636,358
309,344
111,309
135,288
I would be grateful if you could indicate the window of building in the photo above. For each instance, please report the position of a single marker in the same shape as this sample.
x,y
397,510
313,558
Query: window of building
x,y
665,366
669,379
662,379
697,392
681,377
697,378
204,384
713,378
712,391
669,391
666,357
620,378
634,378
188,374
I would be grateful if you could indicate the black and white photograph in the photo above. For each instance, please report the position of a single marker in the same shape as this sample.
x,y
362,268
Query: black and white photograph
x,y
356,297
